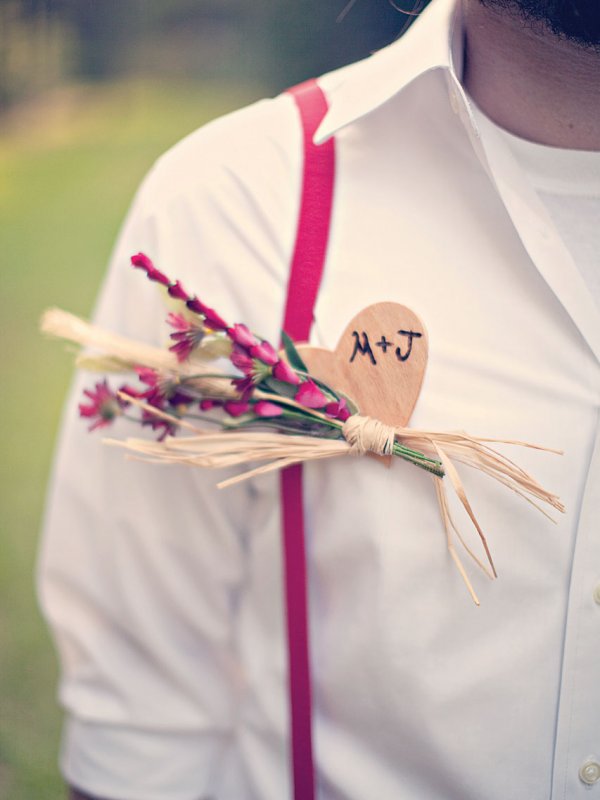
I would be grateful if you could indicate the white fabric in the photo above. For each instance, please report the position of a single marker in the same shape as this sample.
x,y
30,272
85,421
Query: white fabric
x,y
166,597
567,182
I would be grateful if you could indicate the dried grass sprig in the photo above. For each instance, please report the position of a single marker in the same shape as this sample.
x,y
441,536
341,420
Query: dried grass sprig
x,y
124,350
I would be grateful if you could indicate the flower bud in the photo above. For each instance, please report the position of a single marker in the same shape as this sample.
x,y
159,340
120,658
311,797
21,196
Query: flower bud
x,y
266,409
264,352
283,372
310,395
236,409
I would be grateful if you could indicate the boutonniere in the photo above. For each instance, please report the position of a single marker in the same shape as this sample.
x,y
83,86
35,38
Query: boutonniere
x,y
271,408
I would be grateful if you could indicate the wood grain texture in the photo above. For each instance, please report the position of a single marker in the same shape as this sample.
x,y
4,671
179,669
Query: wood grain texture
x,y
379,362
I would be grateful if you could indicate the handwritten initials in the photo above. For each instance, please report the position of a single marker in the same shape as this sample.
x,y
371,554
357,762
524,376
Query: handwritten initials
x,y
362,346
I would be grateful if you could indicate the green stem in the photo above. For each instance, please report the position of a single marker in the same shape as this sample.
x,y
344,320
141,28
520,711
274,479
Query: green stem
x,y
211,375
419,460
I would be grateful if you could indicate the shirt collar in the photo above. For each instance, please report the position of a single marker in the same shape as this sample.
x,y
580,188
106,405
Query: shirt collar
x,y
434,41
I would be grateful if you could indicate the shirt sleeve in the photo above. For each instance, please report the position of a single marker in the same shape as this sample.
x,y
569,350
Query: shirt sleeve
x,y
142,567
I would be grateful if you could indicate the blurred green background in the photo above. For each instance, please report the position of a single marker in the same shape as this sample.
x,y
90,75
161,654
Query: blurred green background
x,y
91,92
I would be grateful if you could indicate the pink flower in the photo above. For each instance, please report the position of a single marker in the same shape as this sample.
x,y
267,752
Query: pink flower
x,y
141,261
240,359
343,415
156,398
207,404
338,410
156,393
283,372
126,389
164,426
241,335
310,395
266,409
187,336
148,376
178,321
254,371
235,408
245,387
177,291
264,352
104,406
179,399
214,321
196,306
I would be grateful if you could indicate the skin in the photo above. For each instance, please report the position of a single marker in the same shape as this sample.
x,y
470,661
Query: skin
x,y
537,83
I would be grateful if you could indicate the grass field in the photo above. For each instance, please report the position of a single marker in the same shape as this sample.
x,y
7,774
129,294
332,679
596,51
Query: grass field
x,y
69,164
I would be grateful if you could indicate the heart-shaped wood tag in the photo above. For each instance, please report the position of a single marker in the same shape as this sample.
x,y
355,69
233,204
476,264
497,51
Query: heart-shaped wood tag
x,y
379,362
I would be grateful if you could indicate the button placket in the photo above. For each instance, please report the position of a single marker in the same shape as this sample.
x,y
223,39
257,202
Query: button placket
x,y
577,765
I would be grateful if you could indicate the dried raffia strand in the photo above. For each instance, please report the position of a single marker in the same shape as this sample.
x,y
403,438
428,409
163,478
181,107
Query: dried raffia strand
x,y
275,451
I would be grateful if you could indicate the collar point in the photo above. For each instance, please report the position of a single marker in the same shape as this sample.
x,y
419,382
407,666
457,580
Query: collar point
x,y
323,134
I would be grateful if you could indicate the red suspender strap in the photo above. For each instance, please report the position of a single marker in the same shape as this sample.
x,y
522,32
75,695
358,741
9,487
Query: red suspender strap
x,y
315,215
304,281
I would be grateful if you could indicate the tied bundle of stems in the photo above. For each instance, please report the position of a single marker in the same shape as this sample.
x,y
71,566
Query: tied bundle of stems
x,y
269,409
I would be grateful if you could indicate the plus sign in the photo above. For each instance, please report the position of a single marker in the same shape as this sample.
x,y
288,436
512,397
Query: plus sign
x,y
384,344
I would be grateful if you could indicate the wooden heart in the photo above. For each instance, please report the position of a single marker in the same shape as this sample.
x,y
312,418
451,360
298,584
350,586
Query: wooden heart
x,y
379,362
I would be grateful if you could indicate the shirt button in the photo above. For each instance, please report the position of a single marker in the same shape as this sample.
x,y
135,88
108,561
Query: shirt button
x,y
597,594
590,772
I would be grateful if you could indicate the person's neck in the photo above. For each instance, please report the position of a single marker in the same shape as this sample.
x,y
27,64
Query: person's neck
x,y
529,81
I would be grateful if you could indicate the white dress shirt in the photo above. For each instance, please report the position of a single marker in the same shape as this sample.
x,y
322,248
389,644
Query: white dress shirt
x,y
165,596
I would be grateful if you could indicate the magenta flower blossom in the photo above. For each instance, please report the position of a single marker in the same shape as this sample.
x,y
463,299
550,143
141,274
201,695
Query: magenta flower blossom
x,y
196,306
148,376
214,321
132,391
180,400
235,408
245,387
164,426
207,404
310,395
264,352
240,334
187,336
141,261
256,361
104,406
266,409
283,372
338,410
156,394
254,371
178,321
177,291
241,360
